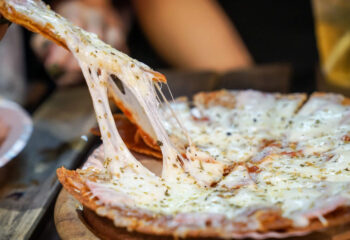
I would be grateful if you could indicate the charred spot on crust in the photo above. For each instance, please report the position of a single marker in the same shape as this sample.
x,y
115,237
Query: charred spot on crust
x,y
346,138
253,169
119,83
159,143
228,169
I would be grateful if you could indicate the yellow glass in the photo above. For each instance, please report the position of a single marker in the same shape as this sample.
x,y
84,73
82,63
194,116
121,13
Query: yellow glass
x,y
332,22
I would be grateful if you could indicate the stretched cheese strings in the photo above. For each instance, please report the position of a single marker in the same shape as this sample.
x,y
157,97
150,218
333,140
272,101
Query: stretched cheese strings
x,y
130,82
303,187
117,155
99,63
116,152
174,114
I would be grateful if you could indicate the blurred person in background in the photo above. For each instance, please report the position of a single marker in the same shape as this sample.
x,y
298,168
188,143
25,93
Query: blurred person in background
x,y
196,34
193,35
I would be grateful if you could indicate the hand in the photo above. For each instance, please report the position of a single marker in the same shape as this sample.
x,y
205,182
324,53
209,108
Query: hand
x,y
93,16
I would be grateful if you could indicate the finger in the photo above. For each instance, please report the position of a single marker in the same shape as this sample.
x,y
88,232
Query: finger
x,y
72,65
40,45
73,11
55,62
115,31
116,38
57,56
77,18
69,79
95,23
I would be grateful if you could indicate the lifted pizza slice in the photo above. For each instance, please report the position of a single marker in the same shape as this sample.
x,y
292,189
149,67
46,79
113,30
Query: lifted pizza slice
x,y
233,165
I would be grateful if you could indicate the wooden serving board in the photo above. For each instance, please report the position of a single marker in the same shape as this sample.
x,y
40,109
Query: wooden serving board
x,y
74,222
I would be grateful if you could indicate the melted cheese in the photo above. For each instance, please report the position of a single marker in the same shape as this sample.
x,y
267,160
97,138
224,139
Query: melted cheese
x,y
218,162
291,174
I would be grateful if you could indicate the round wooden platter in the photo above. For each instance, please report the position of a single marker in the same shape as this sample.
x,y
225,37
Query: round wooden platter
x,y
73,222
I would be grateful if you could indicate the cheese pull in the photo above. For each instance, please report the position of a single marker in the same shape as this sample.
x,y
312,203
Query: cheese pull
x,y
108,72
242,157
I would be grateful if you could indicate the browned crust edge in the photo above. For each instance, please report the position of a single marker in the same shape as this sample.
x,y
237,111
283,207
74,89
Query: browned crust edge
x,y
12,15
72,178
337,217
345,101
227,98
131,137
150,142
144,222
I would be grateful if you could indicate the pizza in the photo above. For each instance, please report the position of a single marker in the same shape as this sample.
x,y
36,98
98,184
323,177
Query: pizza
x,y
234,163
278,167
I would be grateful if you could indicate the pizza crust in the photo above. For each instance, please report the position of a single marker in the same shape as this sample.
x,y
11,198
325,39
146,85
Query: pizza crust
x,y
227,99
222,98
142,221
256,223
14,16
271,222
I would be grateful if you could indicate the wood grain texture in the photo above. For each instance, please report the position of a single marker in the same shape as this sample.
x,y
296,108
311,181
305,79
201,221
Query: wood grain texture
x,y
29,183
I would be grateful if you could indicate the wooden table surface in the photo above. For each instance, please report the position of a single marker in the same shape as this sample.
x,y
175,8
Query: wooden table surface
x,y
28,184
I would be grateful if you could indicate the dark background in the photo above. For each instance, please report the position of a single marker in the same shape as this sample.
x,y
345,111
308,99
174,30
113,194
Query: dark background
x,y
275,31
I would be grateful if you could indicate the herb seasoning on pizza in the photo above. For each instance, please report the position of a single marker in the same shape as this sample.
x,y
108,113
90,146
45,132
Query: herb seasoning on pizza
x,y
235,163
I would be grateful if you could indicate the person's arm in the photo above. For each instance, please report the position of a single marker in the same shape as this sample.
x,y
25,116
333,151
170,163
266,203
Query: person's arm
x,y
192,34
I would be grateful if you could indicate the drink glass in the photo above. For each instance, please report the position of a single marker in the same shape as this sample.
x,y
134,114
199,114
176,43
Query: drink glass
x,y
332,25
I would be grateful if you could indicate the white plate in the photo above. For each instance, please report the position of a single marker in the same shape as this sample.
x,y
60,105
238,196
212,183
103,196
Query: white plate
x,y
20,128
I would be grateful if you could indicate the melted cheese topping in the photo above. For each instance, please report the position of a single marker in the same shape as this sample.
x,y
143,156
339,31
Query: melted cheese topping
x,y
263,153
260,136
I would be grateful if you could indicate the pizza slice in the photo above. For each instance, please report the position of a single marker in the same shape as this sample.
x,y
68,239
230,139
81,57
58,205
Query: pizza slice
x,y
236,164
